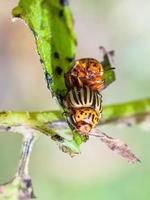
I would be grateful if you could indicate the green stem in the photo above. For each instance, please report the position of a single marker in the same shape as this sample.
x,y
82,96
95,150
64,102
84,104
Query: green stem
x,y
11,121
52,123
135,110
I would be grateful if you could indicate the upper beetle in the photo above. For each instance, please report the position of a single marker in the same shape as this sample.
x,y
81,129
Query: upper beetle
x,y
86,72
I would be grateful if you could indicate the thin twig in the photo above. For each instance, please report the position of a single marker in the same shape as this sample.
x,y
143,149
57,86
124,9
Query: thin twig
x,y
20,186
115,145
25,155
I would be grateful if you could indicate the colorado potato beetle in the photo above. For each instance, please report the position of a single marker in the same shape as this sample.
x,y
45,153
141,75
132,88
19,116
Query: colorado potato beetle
x,y
86,71
84,107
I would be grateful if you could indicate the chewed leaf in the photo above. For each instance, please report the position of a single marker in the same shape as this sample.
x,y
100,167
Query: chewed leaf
x,y
116,145
52,25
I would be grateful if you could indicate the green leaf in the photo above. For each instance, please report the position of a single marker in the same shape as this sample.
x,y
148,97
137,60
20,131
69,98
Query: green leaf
x,y
52,25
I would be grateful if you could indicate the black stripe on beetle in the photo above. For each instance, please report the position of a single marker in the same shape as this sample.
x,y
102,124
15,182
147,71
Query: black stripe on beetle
x,y
85,96
76,96
89,116
93,116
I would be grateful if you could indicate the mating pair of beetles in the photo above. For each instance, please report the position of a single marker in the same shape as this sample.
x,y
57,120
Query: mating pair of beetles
x,y
85,80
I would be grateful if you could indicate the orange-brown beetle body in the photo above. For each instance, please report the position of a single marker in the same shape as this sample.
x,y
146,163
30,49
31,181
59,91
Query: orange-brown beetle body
x,y
86,72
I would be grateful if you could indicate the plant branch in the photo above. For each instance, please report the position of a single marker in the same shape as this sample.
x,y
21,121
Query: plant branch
x,y
27,145
53,124
134,112
20,186
128,113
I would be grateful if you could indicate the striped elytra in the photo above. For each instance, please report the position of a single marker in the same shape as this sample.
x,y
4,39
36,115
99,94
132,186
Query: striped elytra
x,y
84,97
85,108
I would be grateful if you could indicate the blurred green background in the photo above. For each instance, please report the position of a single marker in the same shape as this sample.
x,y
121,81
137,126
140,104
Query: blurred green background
x,y
97,173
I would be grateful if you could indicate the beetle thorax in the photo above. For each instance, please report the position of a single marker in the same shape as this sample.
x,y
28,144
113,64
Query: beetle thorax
x,y
86,71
